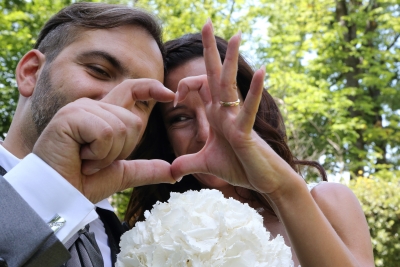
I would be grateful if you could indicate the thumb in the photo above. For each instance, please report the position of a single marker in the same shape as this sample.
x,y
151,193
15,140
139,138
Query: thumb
x,y
188,164
123,174
146,172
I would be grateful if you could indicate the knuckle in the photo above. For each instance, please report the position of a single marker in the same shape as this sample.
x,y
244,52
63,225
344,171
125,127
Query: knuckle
x,y
137,124
225,84
153,82
106,132
121,129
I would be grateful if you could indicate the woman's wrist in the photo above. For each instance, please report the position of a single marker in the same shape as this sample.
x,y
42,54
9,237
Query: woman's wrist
x,y
288,194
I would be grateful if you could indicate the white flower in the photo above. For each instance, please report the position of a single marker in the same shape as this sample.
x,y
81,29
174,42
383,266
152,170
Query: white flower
x,y
202,229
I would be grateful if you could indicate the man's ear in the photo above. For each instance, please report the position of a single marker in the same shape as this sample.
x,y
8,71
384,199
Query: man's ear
x,y
28,71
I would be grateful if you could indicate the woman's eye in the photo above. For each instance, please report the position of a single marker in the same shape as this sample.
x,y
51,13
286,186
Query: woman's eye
x,y
143,102
178,119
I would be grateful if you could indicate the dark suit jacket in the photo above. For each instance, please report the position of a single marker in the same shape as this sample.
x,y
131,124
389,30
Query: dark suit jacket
x,y
25,239
114,230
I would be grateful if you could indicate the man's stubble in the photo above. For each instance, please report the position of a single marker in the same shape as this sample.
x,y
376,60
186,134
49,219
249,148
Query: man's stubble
x,y
46,101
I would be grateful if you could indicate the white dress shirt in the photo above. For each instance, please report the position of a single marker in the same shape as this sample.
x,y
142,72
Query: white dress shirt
x,y
48,193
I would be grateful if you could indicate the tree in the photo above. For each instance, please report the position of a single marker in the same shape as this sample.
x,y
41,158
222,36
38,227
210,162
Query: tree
x,y
380,201
184,16
334,65
20,22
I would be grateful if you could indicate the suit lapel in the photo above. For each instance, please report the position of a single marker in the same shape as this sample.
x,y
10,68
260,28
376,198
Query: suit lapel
x,y
2,171
112,226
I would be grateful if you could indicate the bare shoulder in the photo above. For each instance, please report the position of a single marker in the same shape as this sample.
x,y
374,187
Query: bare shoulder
x,y
343,211
339,205
333,193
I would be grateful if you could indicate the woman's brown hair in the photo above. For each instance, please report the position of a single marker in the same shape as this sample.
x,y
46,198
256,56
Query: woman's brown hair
x,y
268,124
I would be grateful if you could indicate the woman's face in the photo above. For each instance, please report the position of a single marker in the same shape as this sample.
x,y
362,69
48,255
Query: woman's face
x,y
187,125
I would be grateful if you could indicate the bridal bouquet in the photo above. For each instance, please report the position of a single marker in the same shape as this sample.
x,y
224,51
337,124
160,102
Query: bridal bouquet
x,y
202,229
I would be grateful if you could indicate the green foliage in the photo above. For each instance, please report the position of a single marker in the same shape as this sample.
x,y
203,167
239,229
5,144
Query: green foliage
x,y
20,22
380,200
334,65
185,16
120,201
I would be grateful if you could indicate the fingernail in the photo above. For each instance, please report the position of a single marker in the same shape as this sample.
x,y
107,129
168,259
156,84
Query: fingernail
x,y
176,98
179,179
211,24
240,34
262,68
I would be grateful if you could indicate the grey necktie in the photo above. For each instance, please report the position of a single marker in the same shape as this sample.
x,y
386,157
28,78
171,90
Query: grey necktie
x,y
84,250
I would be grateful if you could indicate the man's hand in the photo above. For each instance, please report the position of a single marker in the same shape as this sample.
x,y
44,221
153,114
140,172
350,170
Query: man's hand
x,y
87,140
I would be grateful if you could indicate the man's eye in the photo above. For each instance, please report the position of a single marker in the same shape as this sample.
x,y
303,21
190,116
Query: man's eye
x,y
99,71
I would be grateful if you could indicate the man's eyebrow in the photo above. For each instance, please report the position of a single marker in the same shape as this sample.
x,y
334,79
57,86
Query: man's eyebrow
x,y
103,55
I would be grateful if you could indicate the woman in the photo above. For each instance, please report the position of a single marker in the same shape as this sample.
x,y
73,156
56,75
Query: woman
x,y
212,136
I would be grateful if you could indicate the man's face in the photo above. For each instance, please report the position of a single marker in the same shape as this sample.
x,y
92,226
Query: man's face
x,y
92,66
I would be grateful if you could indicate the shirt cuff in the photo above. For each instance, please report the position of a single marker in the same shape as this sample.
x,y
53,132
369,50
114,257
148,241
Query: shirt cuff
x,y
48,193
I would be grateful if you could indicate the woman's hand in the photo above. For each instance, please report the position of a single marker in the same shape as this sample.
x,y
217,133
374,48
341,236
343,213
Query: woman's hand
x,y
233,150
320,226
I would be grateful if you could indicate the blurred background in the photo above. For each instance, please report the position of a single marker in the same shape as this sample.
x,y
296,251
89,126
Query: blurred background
x,y
333,67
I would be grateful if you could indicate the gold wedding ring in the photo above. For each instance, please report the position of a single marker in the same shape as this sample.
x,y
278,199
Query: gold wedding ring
x,y
230,104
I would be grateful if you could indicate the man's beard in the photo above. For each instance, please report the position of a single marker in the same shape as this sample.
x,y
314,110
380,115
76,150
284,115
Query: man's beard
x,y
46,101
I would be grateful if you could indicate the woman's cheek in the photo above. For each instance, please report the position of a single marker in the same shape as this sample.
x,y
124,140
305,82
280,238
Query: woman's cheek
x,y
176,141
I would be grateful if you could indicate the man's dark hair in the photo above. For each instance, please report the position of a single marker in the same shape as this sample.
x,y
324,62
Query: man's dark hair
x,y
65,27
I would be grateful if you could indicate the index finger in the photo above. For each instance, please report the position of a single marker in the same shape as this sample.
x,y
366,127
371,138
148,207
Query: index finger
x,y
129,91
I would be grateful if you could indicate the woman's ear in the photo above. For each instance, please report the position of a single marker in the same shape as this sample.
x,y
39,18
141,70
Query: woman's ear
x,y
28,71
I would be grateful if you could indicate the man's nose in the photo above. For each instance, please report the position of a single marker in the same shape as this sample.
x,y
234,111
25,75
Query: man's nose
x,y
98,93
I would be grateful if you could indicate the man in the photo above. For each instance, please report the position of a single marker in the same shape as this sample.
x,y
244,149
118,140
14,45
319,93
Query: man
x,y
86,92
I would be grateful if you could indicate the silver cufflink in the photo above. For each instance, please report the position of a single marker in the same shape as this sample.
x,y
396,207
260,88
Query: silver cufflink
x,y
56,223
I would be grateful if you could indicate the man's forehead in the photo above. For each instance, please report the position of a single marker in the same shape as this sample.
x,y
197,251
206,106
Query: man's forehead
x,y
134,35
129,48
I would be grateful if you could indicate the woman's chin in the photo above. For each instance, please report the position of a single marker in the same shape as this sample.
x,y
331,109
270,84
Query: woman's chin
x,y
211,181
